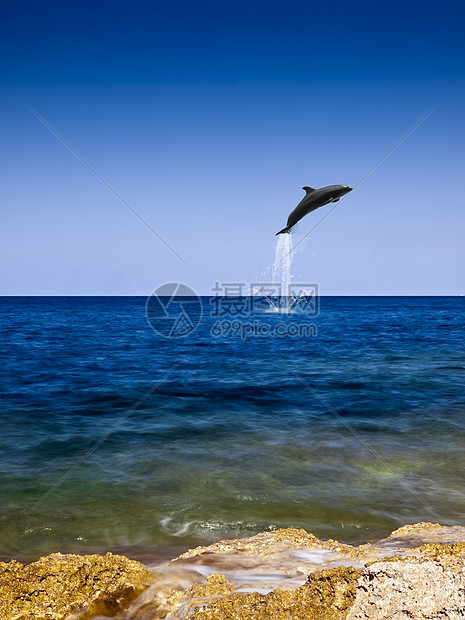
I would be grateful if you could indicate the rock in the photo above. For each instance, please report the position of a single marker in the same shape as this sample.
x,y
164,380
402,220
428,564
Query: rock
x,y
59,586
429,584
268,543
412,536
416,573
411,588
327,595
395,589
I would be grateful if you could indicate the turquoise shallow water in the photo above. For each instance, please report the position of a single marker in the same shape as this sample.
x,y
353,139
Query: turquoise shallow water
x,y
348,433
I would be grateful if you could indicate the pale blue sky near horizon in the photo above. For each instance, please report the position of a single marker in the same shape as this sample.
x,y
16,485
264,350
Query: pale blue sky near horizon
x,y
208,119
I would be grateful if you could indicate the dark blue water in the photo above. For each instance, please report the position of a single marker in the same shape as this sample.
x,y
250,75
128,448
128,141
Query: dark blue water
x,y
349,431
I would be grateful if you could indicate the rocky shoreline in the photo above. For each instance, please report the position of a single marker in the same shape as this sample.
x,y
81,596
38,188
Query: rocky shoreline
x,y
418,572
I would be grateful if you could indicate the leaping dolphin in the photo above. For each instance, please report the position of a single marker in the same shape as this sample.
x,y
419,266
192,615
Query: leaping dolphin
x,y
313,199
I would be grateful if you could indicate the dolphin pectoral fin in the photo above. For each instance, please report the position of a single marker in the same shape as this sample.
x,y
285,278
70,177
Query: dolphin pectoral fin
x,y
336,200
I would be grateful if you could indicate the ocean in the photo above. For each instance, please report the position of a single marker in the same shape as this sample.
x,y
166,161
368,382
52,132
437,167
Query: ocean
x,y
349,422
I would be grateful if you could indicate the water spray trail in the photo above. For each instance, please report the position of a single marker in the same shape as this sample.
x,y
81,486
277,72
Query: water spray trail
x,y
281,274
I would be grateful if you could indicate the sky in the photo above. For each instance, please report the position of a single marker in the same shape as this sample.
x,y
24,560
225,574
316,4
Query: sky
x,y
207,118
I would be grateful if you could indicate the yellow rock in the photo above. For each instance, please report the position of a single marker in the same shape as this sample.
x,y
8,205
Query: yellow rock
x,y
419,568
58,586
327,595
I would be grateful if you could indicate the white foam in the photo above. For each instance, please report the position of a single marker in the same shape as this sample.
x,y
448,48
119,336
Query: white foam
x,y
281,274
315,556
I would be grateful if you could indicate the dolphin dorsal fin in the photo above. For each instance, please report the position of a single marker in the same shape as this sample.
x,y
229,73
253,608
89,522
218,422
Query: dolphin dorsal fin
x,y
308,189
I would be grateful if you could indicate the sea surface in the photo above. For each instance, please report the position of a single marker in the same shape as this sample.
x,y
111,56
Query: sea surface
x,y
116,437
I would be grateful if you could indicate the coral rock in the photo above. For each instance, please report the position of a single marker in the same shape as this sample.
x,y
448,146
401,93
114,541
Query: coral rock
x,y
59,586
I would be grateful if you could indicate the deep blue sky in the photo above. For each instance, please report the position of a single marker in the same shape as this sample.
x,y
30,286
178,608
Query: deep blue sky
x,y
208,118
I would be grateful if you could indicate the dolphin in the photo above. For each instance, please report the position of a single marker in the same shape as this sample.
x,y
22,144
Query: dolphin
x,y
313,199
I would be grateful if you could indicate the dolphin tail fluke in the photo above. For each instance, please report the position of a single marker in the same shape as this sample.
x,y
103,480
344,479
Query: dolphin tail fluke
x,y
284,230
